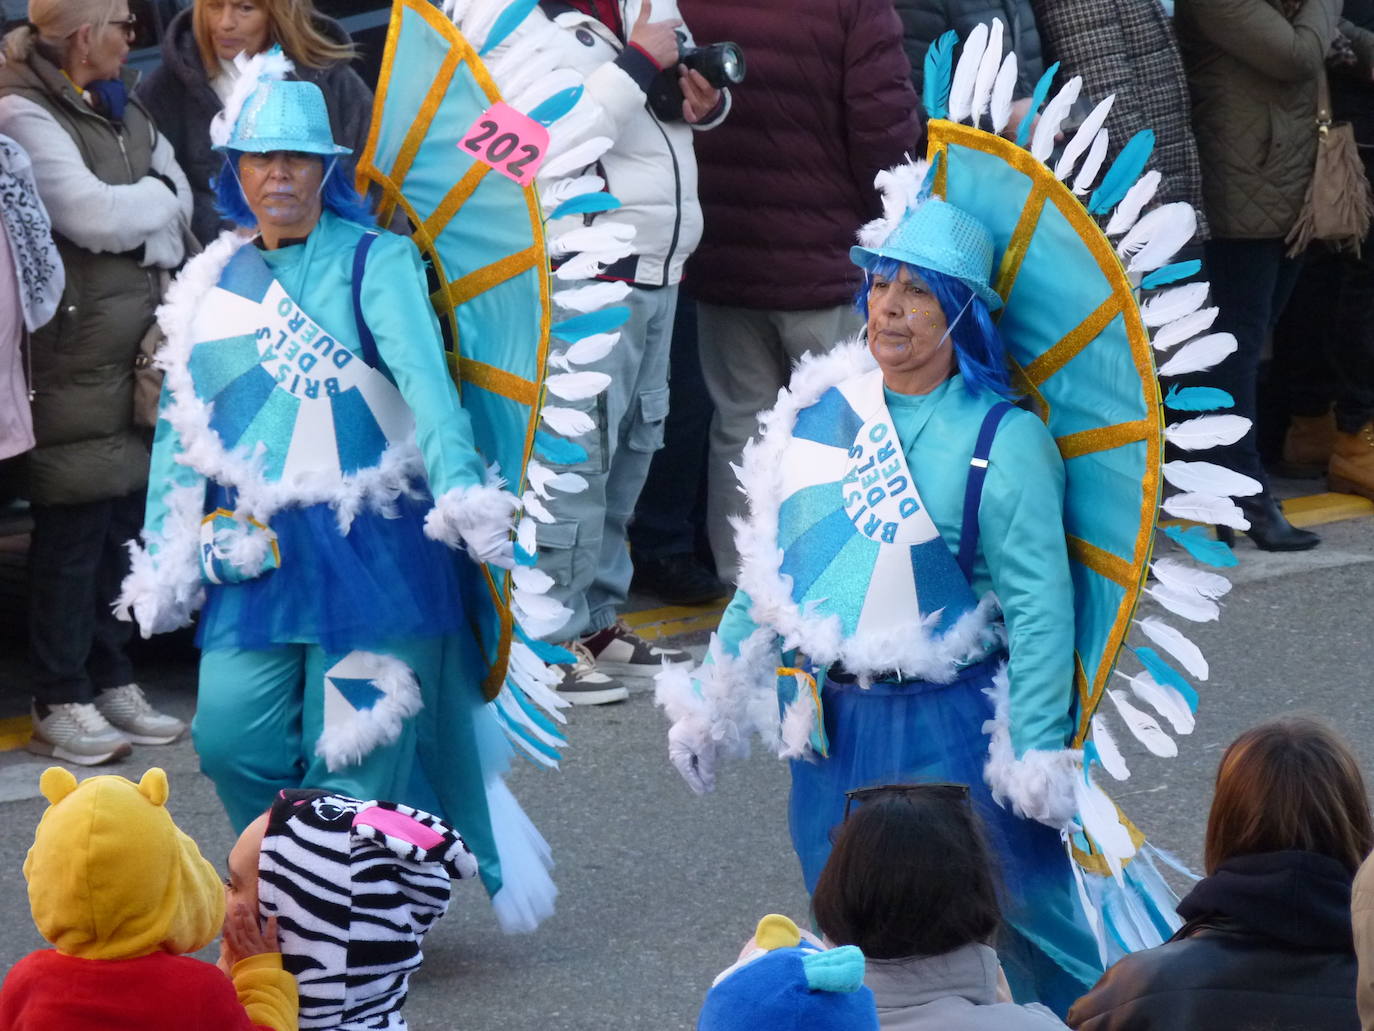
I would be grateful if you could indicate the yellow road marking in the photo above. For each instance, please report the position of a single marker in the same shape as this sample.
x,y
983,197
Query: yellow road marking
x,y
1315,509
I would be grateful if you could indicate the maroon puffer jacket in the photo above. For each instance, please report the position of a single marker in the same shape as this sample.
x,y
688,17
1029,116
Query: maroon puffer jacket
x,y
787,179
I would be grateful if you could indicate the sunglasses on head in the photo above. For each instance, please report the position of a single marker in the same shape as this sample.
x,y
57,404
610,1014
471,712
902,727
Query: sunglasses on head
x,y
938,790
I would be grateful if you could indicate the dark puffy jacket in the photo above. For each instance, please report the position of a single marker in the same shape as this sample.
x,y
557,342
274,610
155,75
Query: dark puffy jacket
x,y
1127,48
1267,947
787,179
925,21
182,102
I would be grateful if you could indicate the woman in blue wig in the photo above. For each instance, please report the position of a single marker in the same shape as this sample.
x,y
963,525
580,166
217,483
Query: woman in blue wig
x,y
315,475
905,599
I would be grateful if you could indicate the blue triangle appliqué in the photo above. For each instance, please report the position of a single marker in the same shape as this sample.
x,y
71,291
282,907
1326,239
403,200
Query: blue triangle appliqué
x,y
359,693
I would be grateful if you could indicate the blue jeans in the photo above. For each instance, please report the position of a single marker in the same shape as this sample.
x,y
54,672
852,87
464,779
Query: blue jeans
x,y
584,548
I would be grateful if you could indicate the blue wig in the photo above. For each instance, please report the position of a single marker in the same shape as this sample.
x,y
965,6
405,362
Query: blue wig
x,y
978,346
337,196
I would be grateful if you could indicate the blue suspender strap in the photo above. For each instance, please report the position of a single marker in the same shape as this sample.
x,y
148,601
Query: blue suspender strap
x,y
365,339
973,492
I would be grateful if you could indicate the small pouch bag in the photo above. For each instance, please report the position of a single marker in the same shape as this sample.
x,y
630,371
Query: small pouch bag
x,y
234,549
1338,205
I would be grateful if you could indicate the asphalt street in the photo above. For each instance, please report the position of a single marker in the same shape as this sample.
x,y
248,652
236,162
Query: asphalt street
x,y
659,888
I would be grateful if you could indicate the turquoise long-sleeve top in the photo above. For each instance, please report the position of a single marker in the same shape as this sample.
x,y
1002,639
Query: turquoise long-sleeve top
x,y
1022,555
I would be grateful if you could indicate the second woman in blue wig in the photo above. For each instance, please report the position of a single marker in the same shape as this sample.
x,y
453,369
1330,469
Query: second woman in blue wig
x,y
905,609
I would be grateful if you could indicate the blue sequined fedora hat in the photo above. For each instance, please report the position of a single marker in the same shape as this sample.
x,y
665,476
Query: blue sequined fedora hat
x,y
938,236
283,114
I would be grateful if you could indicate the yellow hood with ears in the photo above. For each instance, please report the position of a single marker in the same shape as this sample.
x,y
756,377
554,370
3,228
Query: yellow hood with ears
x,y
112,877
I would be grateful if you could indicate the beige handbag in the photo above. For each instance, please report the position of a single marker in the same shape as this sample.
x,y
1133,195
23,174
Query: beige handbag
x,y
1338,206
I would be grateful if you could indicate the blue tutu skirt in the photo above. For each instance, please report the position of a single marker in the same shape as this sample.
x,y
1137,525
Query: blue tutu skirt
x,y
918,731
383,581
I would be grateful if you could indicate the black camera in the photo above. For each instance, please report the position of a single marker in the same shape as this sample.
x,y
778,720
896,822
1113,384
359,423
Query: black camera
x,y
720,64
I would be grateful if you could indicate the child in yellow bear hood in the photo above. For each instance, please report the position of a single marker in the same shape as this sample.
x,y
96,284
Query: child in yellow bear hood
x,y
122,893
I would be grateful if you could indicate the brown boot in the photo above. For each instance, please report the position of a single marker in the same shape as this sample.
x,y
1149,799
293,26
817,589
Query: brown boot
x,y
1307,445
1352,463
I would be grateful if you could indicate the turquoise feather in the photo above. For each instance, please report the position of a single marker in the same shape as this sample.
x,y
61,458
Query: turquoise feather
x,y
1042,89
548,652
507,22
938,72
1198,399
1163,673
1197,543
585,204
523,557
1171,273
602,321
557,450
1124,172
550,110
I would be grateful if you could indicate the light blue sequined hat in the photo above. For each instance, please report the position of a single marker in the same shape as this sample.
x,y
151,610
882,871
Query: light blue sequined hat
x,y
938,236
283,114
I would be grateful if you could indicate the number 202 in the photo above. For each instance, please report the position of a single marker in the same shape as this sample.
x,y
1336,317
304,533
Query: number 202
x,y
501,147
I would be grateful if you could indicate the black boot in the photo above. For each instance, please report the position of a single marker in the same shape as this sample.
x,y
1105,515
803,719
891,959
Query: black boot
x,y
1270,528
677,579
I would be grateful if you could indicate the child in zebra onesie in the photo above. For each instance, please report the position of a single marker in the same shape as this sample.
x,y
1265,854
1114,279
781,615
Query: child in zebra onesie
x,y
308,864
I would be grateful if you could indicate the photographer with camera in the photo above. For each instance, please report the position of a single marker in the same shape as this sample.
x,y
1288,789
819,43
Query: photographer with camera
x,y
627,51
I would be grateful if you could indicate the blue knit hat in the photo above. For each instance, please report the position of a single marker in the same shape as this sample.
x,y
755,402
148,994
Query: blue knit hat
x,y
786,984
936,235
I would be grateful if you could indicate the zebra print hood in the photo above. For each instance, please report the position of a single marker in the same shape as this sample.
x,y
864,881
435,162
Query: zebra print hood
x,y
354,887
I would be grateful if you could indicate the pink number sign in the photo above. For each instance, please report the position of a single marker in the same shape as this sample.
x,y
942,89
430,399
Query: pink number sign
x,y
512,143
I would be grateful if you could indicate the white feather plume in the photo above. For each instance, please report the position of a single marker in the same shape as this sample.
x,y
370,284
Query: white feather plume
x,y
1102,820
1206,431
1092,164
577,386
899,187
1183,577
530,502
591,348
1184,329
1144,726
1189,606
595,238
567,422
580,156
543,480
269,64
593,297
1210,478
1157,237
1200,354
1083,137
1188,654
966,73
526,535
1164,699
555,193
987,72
1173,304
1042,140
1002,91
1207,509
1107,750
1131,205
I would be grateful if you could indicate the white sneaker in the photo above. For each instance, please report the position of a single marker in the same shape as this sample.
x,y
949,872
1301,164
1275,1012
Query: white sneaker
x,y
128,710
584,684
76,732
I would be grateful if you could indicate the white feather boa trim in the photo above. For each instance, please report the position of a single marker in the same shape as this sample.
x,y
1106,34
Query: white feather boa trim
x,y
481,516
914,651
349,734
727,697
163,587
1041,785
379,487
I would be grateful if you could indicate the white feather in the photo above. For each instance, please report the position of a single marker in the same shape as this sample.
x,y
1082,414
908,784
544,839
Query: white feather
x,y
899,187
1092,164
269,64
1207,509
1200,354
1102,821
1181,576
555,193
1083,138
1144,726
584,266
594,239
543,88
531,503
532,580
543,480
1184,329
987,72
1002,91
1107,750
1042,140
526,535
966,73
1210,478
1173,304
1162,233
567,422
577,386
1172,641
1189,606
580,156
1164,699
593,297
1206,431
591,348
1131,205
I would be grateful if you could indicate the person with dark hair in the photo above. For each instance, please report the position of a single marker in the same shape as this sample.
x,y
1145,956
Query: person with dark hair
x,y
911,882
1268,940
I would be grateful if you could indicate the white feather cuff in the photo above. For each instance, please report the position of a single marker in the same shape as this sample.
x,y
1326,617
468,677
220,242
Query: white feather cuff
x,y
1042,784
730,697
480,517
163,587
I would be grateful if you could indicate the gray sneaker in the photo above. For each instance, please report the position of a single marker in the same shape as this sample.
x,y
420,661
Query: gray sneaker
x,y
584,684
621,652
76,732
128,710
